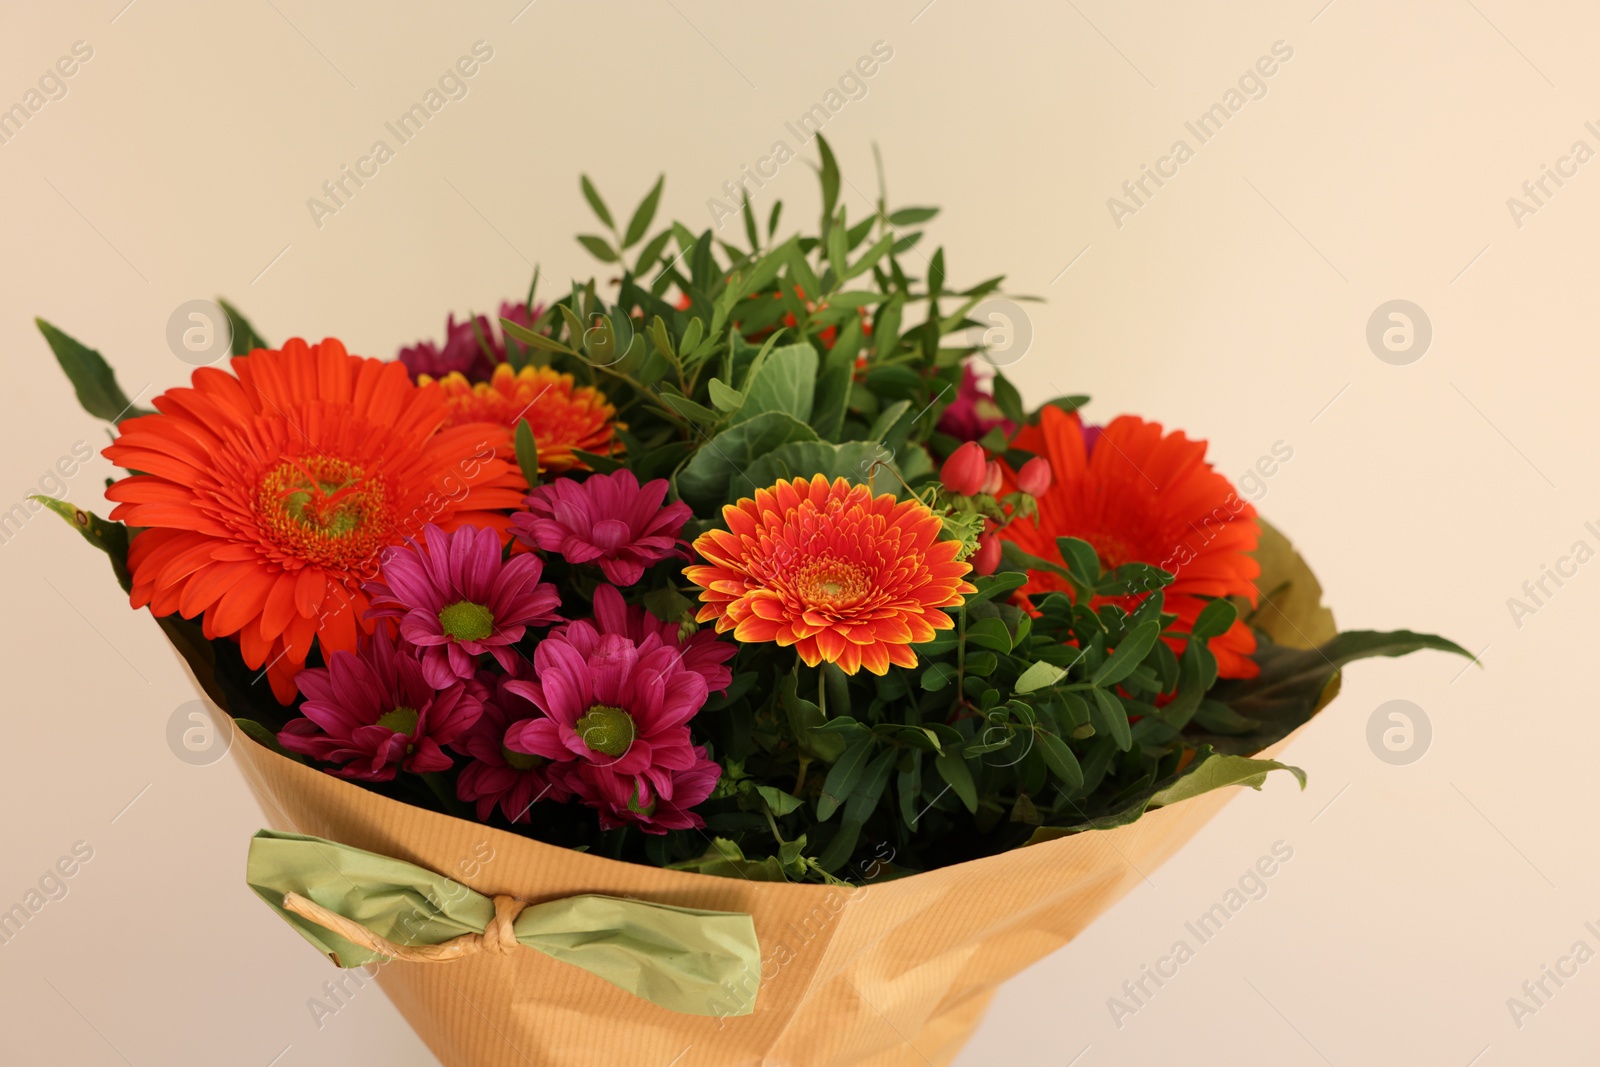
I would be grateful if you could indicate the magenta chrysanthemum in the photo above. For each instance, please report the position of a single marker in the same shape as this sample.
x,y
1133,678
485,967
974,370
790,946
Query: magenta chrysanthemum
x,y
373,712
621,802
473,347
514,781
702,652
616,710
608,519
457,600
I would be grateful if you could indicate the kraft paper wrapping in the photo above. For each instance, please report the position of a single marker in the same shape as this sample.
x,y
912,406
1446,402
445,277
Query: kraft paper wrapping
x,y
883,975
896,974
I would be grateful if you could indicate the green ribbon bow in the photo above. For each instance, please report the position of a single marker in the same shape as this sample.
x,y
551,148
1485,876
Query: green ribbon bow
x,y
681,959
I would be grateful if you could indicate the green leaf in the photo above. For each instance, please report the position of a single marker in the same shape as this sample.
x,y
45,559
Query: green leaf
x,y
1039,676
91,376
1128,654
1059,758
779,802
911,216
109,537
591,194
786,381
803,459
643,215
938,676
1214,619
843,776
689,409
1083,564
599,248
527,453
830,187
1292,682
722,397
887,420
245,337
725,859
989,633
994,585
667,604
1216,771
1110,717
1007,399
952,767
705,480
518,332
597,462
807,721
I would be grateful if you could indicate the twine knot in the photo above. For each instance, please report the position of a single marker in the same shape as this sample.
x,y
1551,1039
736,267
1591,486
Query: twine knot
x,y
498,937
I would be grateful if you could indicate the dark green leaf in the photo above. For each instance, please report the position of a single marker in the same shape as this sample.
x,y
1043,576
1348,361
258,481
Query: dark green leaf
x,y
599,248
843,777
1128,654
953,769
245,337
1109,717
91,377
527,453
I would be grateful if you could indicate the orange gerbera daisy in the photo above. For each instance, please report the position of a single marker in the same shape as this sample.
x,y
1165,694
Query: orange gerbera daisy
x,y
841,575
1139,495
562,415
264,499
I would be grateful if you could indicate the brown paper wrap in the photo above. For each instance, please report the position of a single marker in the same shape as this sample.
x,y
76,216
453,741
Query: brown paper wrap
x,y
895,974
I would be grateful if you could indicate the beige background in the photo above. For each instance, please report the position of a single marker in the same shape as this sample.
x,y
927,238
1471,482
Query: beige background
x,y
1234,303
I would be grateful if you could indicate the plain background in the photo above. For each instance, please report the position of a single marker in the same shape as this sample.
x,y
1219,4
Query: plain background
x,y
1233,303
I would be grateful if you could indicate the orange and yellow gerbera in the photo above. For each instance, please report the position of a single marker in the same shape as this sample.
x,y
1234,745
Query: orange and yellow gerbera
x,y
1138,494
843,576
562,415
265,496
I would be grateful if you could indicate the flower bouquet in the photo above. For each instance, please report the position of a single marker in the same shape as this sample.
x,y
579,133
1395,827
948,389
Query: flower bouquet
x,y
710,664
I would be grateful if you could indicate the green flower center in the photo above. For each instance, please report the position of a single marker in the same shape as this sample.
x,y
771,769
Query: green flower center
x,y
466,621
522,761
402,720
606,729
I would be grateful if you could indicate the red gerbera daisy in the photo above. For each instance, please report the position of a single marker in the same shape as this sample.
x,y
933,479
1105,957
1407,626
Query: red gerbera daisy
x,y
264,499
1140,495
842,575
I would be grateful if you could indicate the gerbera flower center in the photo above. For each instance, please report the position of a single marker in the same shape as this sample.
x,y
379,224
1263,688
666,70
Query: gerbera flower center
x,y
402,720
521,761
606,729
323,510
466,621
831,582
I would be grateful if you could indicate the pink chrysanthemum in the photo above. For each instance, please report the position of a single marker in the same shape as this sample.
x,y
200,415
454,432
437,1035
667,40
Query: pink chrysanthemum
x,y
498,776
608,519
702,652
621,802
617,711
373,712
457,600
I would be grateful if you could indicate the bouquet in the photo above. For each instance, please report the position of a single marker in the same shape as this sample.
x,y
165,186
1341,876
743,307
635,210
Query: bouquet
x,y
725,632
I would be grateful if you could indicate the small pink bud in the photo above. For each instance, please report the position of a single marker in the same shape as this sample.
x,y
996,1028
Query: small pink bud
x,y
992,478
1035,476
987,558
964,472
